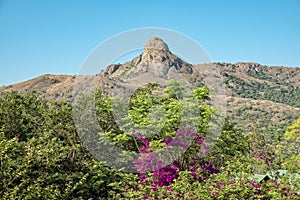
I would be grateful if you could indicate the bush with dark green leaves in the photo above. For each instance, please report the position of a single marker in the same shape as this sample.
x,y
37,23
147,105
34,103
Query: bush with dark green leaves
x,y
41,156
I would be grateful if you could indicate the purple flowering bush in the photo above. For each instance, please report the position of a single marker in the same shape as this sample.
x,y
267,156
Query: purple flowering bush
x,y
202,180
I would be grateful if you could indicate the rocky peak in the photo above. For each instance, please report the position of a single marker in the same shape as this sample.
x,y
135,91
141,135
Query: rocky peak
x,y
156,57
155,43
155,51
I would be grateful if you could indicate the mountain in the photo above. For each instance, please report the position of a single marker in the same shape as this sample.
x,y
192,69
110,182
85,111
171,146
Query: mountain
x,y
268,96
156,52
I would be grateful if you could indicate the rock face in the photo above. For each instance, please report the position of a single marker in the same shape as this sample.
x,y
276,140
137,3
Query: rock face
x,y
156,64
156,58
155,44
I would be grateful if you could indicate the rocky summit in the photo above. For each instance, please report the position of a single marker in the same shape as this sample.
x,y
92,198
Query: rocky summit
x,y
156,44
156,58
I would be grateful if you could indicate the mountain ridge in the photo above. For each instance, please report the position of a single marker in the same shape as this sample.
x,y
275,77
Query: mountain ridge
x,y
245,81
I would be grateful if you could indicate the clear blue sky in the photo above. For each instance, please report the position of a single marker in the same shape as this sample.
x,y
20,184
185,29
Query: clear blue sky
x,y
38,37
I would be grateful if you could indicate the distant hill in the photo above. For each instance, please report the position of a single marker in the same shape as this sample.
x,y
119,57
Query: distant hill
x,y
268,96
49,86
255,81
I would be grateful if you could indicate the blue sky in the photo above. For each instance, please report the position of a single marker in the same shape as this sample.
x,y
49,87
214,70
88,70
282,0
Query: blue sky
x,y
39,37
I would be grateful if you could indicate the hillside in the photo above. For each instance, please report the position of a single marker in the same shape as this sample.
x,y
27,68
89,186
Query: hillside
x,y
49,86
264,115
255,81
268,96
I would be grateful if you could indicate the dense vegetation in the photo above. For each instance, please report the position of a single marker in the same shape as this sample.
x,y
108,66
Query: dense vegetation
x,y
270,89
42,157
256,85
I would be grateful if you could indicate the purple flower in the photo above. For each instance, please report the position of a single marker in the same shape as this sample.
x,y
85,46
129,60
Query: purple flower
x,y
194,134
179,143
165,176
168,140
141,138
168,188
159,164
144,149
151,155
255,185
261,155
199,141
220,185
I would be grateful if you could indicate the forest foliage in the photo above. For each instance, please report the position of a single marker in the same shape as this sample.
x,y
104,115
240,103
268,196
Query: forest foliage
x,y
42,156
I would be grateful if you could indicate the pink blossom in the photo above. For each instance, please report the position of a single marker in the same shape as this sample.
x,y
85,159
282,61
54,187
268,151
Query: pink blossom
x,y
261,155
255,185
